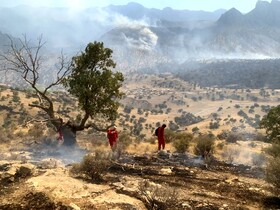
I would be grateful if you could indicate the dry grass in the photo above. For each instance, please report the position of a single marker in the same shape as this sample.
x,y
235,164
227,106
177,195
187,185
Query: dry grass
x,y
134,88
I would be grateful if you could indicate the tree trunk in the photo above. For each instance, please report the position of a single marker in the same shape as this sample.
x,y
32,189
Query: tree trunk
x,y
69,136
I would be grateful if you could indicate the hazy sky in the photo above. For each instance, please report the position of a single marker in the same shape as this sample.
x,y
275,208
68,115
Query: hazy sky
x,y
207,5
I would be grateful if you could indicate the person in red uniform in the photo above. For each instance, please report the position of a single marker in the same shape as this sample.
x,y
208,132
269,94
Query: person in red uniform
x,y
113,136
60,134
161,138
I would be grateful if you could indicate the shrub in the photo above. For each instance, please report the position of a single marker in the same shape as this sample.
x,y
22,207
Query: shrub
x,y
169,135
205,145
260,137
223,135
220,145
151,140
195,130
93,166
124,140
182,142
232,138
273,172
36,131
4,135
273,150
214,125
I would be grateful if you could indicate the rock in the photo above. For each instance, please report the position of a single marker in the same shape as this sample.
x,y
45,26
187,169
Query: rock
x,y
50,163
186,206
163,154
74,206
23,172
254,189
6,175
165,171
5,167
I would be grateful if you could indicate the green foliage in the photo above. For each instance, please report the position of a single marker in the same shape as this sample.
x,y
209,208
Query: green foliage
x,y
273,150
214,125
169,135
93,166
195,130
182,141
16,98
187,119
220,145
271,123
93,82
205,145
273,172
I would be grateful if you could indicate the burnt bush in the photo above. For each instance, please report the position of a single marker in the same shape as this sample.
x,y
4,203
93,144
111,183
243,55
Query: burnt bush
x,y
157,197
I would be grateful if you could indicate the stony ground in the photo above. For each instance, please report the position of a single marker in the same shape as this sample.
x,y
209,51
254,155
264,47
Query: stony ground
x,y
148,181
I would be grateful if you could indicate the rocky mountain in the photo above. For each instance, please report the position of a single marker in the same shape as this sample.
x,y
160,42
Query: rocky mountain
x,y
166,34
136,11
233,35
152,40
71,29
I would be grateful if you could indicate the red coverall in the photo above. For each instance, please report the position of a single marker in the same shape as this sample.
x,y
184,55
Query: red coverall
x,y
161,139
112,136
60,134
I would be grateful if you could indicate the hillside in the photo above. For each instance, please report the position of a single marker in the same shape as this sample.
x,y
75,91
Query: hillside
x,y
164,98
151,100
238,73
35,170
211,77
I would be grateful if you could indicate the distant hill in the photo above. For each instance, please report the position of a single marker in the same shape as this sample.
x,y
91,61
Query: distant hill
x,y
136,11
5,41
233,73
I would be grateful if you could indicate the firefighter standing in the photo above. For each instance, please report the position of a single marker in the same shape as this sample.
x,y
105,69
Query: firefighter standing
x,y
161,138
113,136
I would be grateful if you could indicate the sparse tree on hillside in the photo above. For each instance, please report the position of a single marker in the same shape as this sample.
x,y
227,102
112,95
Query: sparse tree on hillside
x,y
88,77
271,123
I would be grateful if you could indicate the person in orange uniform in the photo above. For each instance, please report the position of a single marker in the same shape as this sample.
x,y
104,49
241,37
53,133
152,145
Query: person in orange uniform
x,y
161,138
113,136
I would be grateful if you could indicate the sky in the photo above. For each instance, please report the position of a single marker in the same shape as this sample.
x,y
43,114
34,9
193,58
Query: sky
x,y
243,6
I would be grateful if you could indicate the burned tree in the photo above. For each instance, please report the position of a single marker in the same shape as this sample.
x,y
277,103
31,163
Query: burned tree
x,y
88,77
